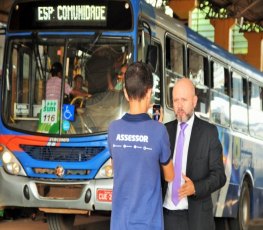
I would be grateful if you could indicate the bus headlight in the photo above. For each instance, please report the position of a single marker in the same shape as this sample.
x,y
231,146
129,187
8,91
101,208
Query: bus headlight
x,y
11,164
106,171
13,168
7,157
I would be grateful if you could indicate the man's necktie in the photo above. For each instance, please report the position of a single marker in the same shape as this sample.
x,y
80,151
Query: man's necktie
x,y
178,164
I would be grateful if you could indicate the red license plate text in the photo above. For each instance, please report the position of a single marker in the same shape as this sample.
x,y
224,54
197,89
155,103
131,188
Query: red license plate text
x,y
104,195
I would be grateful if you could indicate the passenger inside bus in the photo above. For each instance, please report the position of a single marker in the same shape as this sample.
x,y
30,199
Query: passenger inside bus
x,y
53,87
80,87
105,103
120,77
53,95
99,70
79,84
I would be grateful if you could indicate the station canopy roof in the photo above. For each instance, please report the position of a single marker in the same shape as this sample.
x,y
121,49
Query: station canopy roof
x,y
248,13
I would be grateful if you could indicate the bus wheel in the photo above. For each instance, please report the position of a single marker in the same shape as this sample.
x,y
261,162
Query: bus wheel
x,y
243,215
60,221
244,207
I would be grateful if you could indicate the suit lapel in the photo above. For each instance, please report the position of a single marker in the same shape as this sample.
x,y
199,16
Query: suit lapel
x,y
173,136
192,145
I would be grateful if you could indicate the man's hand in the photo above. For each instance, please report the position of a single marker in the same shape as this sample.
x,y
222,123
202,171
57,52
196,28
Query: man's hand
x,y
187,189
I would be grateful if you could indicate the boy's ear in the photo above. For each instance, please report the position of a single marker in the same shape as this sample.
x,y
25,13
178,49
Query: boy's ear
x,y
149,93
126,95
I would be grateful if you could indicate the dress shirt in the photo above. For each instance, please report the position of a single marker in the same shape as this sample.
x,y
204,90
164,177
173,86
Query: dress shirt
x,y
183,204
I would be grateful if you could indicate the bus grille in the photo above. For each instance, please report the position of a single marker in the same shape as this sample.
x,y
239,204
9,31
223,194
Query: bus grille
x,y
65,192
62,154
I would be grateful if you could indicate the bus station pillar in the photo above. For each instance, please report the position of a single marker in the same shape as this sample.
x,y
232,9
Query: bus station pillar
x,y
222,32
182,8
255,49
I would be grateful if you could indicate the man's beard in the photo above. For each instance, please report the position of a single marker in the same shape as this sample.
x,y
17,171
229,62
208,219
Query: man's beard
x,y
185,117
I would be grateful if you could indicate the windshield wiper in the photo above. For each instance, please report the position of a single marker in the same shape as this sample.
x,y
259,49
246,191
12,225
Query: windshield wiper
x,y
93,43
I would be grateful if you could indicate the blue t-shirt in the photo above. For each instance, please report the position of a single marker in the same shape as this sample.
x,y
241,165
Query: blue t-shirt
x,y
138,145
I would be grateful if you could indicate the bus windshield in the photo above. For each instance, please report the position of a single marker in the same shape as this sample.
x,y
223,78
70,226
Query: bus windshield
x,y
89,64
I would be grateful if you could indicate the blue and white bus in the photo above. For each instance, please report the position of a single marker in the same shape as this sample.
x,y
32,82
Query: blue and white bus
x,y
54,153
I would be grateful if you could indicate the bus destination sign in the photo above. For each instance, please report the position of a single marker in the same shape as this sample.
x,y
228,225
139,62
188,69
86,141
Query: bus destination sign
x,y
71,15
88,14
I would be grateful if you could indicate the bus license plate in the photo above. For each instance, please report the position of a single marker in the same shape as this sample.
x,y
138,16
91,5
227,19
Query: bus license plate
x,y
104,195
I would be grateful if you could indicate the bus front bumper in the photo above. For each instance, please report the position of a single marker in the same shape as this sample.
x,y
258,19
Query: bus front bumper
x,y
18,191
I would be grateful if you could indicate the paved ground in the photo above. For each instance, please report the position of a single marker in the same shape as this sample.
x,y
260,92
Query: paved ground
x,y
93,222
96,221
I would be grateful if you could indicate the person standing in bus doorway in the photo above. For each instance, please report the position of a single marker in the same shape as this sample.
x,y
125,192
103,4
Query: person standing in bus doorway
x,y
138,146
106,104
198,163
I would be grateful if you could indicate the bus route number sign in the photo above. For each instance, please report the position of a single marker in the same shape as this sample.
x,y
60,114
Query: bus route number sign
x,y
49,111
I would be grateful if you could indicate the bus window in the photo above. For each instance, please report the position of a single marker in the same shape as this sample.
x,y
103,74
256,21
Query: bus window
x,y
20,72
11,80
174,66
239,114
256,110
2,45
156,94
198,73
174,56
144,41
219,93
23,82
31,60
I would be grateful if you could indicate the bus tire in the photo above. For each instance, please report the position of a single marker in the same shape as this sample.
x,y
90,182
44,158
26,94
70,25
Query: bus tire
x,y
60,221
243,215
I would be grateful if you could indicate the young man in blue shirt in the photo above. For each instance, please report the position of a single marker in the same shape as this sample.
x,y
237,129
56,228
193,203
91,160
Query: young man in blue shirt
x,y
140,148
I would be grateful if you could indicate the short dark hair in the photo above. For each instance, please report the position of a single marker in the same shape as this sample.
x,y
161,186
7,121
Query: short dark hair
x,y
99,69
56,68
138,79
78,76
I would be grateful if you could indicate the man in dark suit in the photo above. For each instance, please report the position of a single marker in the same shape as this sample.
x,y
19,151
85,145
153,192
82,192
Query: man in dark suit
x,y
201,165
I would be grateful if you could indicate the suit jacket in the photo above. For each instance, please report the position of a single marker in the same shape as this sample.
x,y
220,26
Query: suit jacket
x,y
204,167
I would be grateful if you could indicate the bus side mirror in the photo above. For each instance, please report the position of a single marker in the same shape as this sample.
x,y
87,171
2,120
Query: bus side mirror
x,y
151,56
